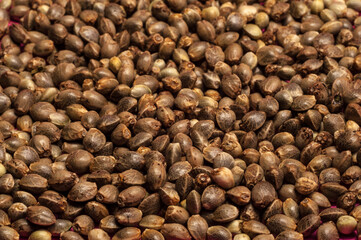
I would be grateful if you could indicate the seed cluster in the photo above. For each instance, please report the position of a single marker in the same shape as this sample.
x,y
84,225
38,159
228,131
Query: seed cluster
x,y
180,119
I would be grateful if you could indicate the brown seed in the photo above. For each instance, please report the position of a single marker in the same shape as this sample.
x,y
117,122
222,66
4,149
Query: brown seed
x,y
254,173
149,234
82,192
107,194
40,215
79,161
175,231
94,140
96,211
253,120
73,131
332,190
178,169
332,214
60,226
17,211
97,234
109,224
8,233
308,206
347,200
254,228
218,232
212,197
131,196
327,230
356,212
289,234
225,213
128,216
274,208
308,224
152,222
150,204
83,224
193,202
279,223
169,196
240,195
34,183
4,218
291,209
305,185
223,177
176,214
53,200
63,180
197,227
184,185
263,193
231,85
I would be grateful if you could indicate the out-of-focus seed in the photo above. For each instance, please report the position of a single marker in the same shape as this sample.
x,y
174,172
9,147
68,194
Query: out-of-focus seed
x,y
346,224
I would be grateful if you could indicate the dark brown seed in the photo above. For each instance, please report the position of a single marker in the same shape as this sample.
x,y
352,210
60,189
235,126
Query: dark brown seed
x,y
79,161
327,230
274,208
218,232
193,202
308,206
94,140
332,214
332,190
150,204
60,226
263,193
231,85
308,224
